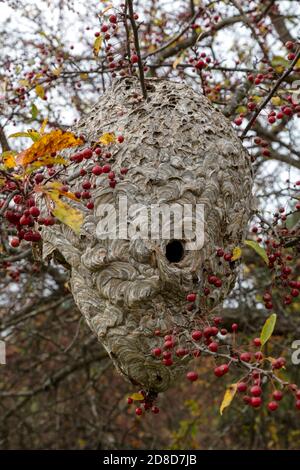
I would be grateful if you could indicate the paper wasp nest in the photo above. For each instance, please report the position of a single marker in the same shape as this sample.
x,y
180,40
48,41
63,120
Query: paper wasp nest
x,y
178,149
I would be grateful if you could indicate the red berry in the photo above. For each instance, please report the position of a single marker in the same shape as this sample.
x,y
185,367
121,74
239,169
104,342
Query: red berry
x,y
200,65
257,342
287,111
234,327
38,178
15,242
212,279
272,406
221,370
104,28
129,401
255,402
134,59
34,211
214,331
87,153
156,352
86,185
218,372
227,257
241,387
97,170
207,331
191,297
167,362
113,19
169,344
120,139
90,205
196,335
155,410
213,347
256,390
138,411
106,168
258,355
245,357
289,45
277,395
181,352
192,376
238,121
18,199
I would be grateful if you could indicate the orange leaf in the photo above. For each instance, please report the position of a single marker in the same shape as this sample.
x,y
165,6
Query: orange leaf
x,y
52,142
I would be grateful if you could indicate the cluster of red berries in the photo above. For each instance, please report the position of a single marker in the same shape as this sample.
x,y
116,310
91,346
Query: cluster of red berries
x,y
146,403
18,196
253,393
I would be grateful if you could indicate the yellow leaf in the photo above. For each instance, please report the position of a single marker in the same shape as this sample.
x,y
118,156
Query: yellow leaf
x,y
47,160
8,159
241,109
228,397
49,143
57,71
236,254
97,46
106,9
67,214
108,138
55,187
178,60
24,83
43,126
137,396
276,101
84,76
39,89
257,99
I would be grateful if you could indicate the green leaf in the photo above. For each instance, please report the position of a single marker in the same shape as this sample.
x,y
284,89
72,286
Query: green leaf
x,y
268,328
259,250
34,111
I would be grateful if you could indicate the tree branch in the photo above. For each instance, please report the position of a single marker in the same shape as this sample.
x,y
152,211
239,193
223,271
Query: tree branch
x,y
271,93
137,46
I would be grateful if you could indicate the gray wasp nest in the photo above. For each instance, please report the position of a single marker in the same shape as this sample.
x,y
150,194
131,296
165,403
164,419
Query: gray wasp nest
x,y
178,149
